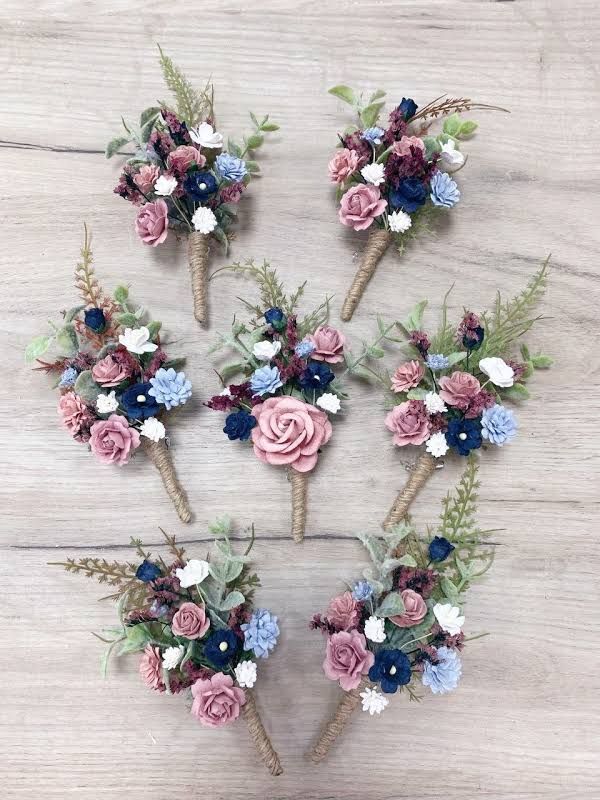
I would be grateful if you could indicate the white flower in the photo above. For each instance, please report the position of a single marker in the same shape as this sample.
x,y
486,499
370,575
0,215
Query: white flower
x,y
265,350
498,371
107,403
153,428
245,674
329,402
373,173
226,392
195,571
434,403
374,629
204,221
399,221
451,157
172,656
373,701
137,340
165,185
206,136
448,617
437,445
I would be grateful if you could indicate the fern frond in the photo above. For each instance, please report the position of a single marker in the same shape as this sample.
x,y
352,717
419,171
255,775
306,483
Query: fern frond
x,y
457,520
114,573
443,106
177,551
191,106
85,280
272,292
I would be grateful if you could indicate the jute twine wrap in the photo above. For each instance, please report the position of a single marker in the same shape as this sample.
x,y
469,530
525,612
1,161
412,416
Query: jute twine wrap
x,y
378,242
161,458
198,260
259,736
299,481
419,476
338,721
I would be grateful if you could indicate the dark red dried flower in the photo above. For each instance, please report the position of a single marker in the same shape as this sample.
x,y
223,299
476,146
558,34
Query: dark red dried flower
x,y
177,128
420,340
443,639
439,423
232,193
320,623
422,581
122,356
161,143
518,368
127,188
291,331
165,589
397,127
354,141
481,401
158,359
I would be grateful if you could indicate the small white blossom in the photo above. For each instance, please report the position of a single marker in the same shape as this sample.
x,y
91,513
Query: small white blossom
x,y
434,403
165,185
265,350
153,428
373,701
106,403
498,371
204,221
245,674
329,402
374,629
448,617
195,571
451,157
373,173
137,340
399,221
172,656
226,392
206,136
437,445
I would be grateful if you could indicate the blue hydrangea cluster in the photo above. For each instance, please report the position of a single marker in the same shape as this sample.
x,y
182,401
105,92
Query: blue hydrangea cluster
x,y
444,191
170,388
373,135
265,380
437,363
260,634
304,348
68,377
444,676
231,168
498,425
362,591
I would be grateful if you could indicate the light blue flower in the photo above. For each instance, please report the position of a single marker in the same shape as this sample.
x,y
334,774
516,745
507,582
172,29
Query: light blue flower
x,y
498,425
265,380
260,634
444,191
444,676
373,135
437,363
170,388
68,377
362,591
304,348
231,168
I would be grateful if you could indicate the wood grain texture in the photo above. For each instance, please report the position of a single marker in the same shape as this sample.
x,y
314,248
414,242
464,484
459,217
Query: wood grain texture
x,y
524,724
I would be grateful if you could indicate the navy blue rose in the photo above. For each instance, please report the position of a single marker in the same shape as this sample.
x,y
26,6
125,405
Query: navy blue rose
x,y
409,196
147,571
200,185
408,108
473,338
316,377
138,403
464,435
95,320
221,647
239,425
276,318
440,548
391,669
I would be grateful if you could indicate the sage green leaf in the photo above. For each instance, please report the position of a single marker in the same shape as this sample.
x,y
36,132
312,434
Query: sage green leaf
x,y
72,313
115,145
221,237
128,320
449,589
233,600
66,339
467,128
407,561
454,358
234,148
370,114
391,605
373,546
153,328
149,114
417,394
121,294
253,167
542,362
254,141
516,392
174,363
344,93
37,348
269,126
375,352
377,95
452,125
86,387
431,146
137,637
415,318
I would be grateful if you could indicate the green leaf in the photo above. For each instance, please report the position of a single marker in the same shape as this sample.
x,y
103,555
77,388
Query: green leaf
x,y
449,589
375,352
232,600
72,313
221,237
373,546
137,637
254,141
269,126
525,352
115,145
416,394
391,605
516,392
452,125
377,95
431,146
128,320
149,114
66,339
234,148
454,358
252,167
407,561
415,318
370,114
467,128
121,294
154,327
344,93
542,362
174,363
86,387
37,348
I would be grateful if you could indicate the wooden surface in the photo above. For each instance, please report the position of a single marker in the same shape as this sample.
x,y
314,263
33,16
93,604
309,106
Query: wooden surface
x,y
524,722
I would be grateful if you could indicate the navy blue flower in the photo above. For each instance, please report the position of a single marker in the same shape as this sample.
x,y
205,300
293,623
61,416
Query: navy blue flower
x,y
238,425
95,320
147,571
391,669
464,435
138,403
440,548
409,196
473,338
200,185
276,318
317,376
408,107
221,647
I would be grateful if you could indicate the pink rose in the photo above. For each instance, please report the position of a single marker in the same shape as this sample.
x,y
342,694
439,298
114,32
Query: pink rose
x,y
112,440
181,159
402,147
343,612
146,178
459,389
151,668
289,432
415,610
216,700
152,223
110,372
190,621
409,423
343,164
75,414
407,376
329,344
347,658
360,205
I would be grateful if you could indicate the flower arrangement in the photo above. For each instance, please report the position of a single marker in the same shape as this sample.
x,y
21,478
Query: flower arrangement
x,y
115,380
184,177
194,623
399,627
392,181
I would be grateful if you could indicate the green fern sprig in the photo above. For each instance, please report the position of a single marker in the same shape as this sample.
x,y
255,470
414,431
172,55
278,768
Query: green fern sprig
x,y
191,105
272,292
457,519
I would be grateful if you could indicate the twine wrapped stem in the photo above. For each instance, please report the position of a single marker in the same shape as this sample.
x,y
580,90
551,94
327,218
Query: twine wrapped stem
x,y
338,721
420,474
378,242
259,735
198,261
161,458
299,481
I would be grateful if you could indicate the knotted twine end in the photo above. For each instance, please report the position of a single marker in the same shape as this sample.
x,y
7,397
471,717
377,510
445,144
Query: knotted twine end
x,y
161,458
378,242
259,736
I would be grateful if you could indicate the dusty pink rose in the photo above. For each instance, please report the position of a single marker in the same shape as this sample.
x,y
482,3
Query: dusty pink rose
x,y
190,621
216,700
112,440
343,164
109,372
151,668
289,432
343,612
181,159
360,205
407,376
415,610
146,178
75,414
152,223
347,658
329,344
402,147
409,423
459,389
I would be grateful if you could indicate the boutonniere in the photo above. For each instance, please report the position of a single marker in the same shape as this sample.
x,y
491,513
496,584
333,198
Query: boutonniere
x,y
395,180
117,385
196,627
399,628
184,177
